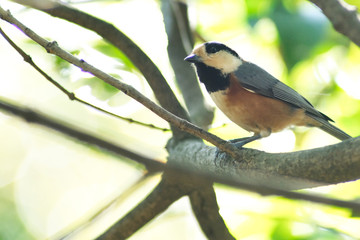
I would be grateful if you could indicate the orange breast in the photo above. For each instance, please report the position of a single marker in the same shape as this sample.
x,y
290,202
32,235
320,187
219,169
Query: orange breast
x,y
254,112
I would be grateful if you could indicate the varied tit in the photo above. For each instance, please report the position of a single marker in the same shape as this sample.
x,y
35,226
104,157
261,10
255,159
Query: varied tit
x,y
251,97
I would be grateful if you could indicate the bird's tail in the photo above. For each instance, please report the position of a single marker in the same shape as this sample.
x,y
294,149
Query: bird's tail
x,y
332,130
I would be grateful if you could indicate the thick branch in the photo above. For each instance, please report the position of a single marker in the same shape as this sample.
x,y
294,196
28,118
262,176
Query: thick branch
x,y
321,166
344,17
223,169
229,171
201,171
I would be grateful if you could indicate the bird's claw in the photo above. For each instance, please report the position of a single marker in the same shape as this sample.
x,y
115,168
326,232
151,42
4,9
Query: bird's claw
x,y
236,142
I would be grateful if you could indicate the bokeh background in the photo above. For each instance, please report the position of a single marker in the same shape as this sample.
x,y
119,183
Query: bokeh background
x,y
52,186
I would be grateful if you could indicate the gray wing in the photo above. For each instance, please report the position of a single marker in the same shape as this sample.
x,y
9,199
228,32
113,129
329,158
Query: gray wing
x,y
258,80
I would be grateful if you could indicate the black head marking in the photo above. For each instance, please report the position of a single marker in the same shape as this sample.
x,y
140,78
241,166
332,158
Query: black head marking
x,y
213,78
214,47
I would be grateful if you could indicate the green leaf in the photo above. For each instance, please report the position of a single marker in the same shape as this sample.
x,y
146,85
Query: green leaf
x,y
99,89
115,53
62,65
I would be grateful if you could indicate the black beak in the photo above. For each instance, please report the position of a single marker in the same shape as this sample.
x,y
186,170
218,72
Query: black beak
x,y
193,58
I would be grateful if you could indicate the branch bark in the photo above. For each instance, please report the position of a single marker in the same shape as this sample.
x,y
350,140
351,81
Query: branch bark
x,y
320,166
343,17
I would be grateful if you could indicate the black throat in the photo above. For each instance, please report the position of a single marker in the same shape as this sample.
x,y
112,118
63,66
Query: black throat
x,y
213,78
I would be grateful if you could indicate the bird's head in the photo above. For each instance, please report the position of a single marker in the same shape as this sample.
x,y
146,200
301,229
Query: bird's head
x,y
216,55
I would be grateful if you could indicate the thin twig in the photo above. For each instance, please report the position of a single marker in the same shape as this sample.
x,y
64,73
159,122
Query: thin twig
x,y
27,58
184,125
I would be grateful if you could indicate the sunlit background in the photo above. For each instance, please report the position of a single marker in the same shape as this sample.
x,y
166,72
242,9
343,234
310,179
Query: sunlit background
x,y
51,186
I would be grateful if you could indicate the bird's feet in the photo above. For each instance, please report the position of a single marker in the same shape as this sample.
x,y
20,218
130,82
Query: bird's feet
x,y
239,143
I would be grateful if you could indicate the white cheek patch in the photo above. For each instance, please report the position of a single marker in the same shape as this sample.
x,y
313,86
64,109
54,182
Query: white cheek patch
x,y
223,61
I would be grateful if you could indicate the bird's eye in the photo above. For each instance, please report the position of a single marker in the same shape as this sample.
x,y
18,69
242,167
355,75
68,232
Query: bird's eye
x,y
212,49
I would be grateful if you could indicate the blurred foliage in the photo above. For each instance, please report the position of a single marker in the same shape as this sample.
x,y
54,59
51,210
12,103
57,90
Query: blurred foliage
x,y
290,38
113,52
63,66
302,31
99,88
354,3
11,225
284,230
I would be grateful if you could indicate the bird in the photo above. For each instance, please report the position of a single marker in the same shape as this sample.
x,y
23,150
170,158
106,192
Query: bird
x,y
251,97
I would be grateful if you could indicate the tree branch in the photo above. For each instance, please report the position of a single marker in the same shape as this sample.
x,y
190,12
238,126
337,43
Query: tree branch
x,y
180,44
152,74
168,191
302,169
34,117
200,170
143,211
110,33
203,165
199,190
27,58
227,165
343,17
52,47
206,210
156,202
